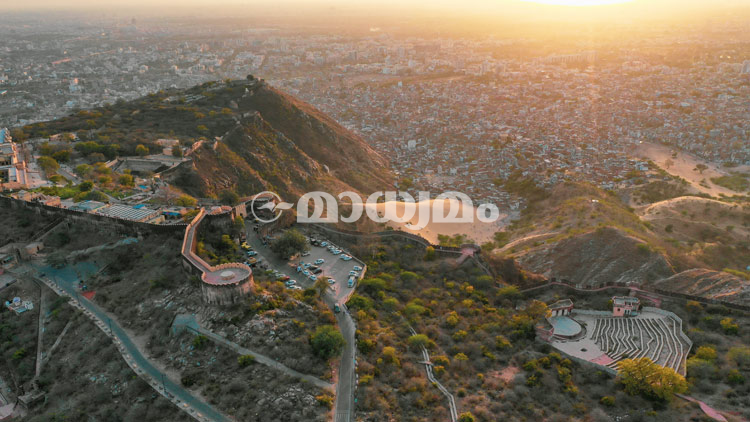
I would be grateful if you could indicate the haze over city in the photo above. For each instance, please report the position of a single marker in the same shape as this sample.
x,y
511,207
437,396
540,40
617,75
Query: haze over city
x,y
330,210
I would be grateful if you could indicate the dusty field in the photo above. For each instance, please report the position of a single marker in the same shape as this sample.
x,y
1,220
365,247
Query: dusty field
x,y
693,218
684,165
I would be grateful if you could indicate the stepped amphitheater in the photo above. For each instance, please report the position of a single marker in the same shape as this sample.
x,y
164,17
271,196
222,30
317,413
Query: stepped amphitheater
x,y
605,339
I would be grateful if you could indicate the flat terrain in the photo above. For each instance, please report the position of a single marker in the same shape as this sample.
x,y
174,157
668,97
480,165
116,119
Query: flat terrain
x,y
684,166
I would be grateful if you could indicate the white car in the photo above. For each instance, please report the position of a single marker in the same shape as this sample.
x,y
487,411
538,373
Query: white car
x,y
357,268
346,257
319,261
306,253
313,277
353,273
331,281
306,273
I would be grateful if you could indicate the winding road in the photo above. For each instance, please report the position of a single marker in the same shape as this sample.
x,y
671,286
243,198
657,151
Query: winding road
x,y
346,384
136,358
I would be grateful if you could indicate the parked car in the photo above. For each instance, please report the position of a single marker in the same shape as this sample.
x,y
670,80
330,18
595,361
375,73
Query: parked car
x,y
306,273
331,281
353,273
285,278
346,257
336,308
295,287
357,268
313,277
319,261
290,283
307,265
252,253
307,253
318,271
350,282
324,244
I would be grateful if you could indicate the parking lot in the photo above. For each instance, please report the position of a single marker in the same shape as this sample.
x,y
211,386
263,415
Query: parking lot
x,y
333,266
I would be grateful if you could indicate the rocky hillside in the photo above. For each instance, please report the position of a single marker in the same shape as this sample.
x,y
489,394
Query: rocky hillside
x,y
252,138
708,283
606,255
580,233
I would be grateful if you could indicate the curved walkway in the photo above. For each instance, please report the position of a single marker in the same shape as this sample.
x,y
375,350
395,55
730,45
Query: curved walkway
x,y
133,356
260,358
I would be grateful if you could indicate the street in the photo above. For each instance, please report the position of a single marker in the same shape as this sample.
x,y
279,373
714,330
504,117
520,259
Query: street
x,y
66,281
338,269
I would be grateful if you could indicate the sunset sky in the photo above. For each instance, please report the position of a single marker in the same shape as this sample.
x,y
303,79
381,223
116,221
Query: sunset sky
x,y
618,10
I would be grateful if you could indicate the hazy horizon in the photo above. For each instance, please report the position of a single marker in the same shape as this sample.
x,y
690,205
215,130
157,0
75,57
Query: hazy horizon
x,y
532,9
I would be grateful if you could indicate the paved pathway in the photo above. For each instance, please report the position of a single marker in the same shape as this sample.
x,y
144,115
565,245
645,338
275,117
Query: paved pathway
x,y
346,384
197,408
260,358
431,377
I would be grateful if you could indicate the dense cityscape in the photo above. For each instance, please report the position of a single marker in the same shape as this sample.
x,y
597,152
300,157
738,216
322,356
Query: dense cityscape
x,y
450,114
173,248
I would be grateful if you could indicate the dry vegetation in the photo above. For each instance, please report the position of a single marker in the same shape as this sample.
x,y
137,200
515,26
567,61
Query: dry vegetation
x,y
480,335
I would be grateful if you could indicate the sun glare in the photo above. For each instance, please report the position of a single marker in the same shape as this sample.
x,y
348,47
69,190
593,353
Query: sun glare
x,y
578,2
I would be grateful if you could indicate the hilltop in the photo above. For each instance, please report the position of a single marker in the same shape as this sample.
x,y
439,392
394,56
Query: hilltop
x,y
250,137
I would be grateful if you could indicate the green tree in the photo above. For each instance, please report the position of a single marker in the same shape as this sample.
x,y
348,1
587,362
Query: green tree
x,y
289,244
141,150
729,326
229,197
126,180
644,377
466,417
62,156
48,164
245,360
418,341
85,186
83,170
327,341
186,201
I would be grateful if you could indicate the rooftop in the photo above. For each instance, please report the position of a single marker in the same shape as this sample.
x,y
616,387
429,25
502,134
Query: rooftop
x,y
126,212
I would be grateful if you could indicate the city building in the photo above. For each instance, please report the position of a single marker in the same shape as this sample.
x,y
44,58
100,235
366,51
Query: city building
x,y
12,165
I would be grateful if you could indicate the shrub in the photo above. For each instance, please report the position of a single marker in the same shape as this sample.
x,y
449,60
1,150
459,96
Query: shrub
x,y
19,354
642,376
325,400
729,326
740,356
326,341
608,401
245,360
734,377
199,342
389,356
694,307
466,417
418,341
706,353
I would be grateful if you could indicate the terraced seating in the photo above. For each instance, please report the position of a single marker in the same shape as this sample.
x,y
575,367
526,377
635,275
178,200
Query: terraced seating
x,y
657,338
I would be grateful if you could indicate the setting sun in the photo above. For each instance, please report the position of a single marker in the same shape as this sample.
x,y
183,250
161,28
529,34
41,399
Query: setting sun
x,y
578,2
